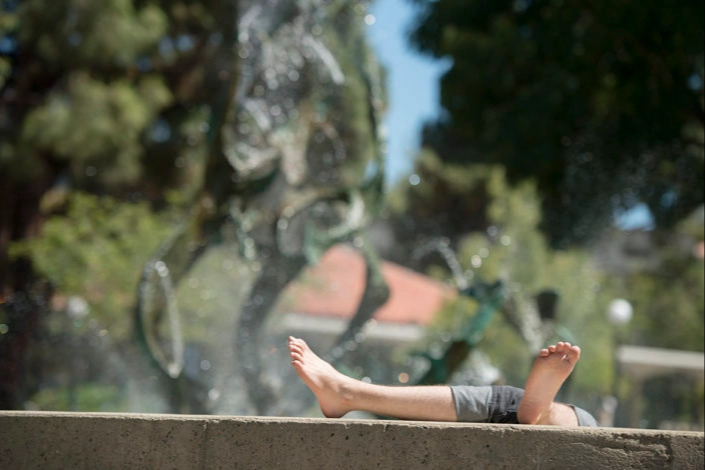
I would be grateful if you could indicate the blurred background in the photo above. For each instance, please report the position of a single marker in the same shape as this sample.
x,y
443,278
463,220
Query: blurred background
x,y
426,191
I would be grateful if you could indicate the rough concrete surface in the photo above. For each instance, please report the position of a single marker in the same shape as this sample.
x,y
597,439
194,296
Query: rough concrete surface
x,y
93,440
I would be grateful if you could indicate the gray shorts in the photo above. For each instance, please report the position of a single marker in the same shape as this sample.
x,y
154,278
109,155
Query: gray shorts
x,y
497,404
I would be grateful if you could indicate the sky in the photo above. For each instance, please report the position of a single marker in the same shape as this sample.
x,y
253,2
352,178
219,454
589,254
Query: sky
x,y
412,83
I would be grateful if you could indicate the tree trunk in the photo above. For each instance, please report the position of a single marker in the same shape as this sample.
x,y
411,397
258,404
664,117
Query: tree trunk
x,y
22,298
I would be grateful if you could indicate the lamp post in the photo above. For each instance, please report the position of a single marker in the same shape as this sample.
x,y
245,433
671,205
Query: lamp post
x,y
619,313
76,311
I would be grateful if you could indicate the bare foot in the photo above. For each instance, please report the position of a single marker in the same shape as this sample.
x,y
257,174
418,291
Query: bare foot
x,y
332,389
550,370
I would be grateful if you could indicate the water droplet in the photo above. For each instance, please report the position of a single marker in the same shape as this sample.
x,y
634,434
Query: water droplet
x,y
476,261
492,231
483,252
173,370
506,240
414,179
205,365
161,268
370,19
77,307
4,329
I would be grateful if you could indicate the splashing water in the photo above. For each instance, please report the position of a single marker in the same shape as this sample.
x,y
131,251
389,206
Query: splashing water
x,y
291,151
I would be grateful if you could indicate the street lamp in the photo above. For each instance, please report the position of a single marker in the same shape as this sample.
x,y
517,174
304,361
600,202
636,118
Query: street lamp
x,y
76,310
619,313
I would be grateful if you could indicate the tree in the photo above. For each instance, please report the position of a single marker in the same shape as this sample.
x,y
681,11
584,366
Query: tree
x,y
110,97
230,112
600,102
106,97
493,229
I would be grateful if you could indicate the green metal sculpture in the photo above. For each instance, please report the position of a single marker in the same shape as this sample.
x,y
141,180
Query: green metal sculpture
x,y
295,166
490,298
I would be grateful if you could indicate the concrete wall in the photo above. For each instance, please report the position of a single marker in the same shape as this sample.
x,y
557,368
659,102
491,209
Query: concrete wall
x,y
105,441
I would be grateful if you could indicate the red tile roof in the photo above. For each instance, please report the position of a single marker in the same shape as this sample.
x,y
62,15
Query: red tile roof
x,y
334,288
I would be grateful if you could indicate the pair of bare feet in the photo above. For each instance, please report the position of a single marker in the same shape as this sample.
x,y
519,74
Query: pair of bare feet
x,y
339,394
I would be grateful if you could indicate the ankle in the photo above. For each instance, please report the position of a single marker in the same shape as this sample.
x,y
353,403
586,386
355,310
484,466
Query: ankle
x,y
531,412
346,392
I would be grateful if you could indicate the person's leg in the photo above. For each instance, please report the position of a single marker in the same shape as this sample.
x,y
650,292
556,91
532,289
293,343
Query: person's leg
x,y
339,394
550,370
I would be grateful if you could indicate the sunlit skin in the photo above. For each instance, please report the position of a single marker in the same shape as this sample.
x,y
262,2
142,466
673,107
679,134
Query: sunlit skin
x,y
551,368
339,394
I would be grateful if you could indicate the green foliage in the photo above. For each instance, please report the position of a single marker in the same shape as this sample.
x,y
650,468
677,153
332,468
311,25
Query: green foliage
x,y
97,125
95,251
504,241
86,397
220,280
110,33
600,103
495,226
669,302
102,94
133,100
447,200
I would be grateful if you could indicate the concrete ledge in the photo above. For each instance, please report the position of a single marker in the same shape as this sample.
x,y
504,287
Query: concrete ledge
x,y
92,440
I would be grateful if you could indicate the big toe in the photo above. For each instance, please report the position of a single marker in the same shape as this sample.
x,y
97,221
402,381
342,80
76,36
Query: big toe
x,y
573,353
